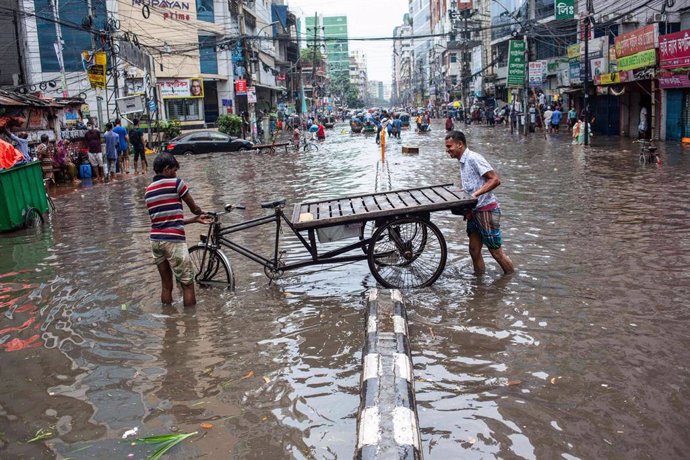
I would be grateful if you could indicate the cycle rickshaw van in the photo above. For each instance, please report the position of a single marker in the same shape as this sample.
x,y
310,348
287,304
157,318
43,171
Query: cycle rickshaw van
x,y
405,119
22,197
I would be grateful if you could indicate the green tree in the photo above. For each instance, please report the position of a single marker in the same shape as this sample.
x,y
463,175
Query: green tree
x,y
307,56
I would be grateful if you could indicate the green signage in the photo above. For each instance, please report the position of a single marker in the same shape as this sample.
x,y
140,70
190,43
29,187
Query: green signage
x,y
516,63
638,60
564,9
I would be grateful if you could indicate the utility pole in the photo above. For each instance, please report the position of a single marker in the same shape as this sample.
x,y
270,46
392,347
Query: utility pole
x,y
58,47
113,58
526,97
313,65
247,69
585,85
99,103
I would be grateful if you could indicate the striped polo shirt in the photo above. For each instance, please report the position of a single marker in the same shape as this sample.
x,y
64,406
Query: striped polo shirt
x,y
164,201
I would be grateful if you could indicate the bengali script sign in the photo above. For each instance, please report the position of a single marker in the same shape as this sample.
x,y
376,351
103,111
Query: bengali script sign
x,y
564,9
536,73
674,50
171,89
574,51
516,63
637,60
673,80
636,41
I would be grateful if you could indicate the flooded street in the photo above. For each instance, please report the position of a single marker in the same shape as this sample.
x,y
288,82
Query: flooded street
x,y
583,353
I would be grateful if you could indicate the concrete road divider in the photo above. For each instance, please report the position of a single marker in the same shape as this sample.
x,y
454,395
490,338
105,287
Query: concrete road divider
x,y
388,425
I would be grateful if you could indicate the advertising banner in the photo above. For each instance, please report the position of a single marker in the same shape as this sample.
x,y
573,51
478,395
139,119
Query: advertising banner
x,y
636,41
638,60
174,89
674,50
241,87
574,51
516,63
537,71
94,64
251,95
564,9
673,80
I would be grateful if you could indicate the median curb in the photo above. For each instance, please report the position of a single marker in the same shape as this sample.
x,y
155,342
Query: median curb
x,y
387,425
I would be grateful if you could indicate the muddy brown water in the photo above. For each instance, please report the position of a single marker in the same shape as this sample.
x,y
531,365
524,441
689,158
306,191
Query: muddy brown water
x,y
583,353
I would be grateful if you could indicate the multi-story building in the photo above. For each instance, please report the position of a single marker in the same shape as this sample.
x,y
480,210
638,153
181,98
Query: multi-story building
x,y
420,12
287,57
401,89
331,37
358,73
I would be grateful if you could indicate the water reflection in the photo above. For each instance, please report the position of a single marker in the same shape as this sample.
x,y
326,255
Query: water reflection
x,y
582,353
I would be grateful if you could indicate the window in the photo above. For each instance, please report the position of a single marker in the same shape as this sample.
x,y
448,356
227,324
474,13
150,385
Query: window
x,y
183,109
204,10
454,79
219,137
453,57
208,63
71,12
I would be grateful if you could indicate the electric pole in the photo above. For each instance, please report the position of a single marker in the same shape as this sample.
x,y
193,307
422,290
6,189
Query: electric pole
x,y
313,66
99,103
585,85
58,47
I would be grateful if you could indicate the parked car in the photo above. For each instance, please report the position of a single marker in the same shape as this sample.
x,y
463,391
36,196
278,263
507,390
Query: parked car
x,y
206,142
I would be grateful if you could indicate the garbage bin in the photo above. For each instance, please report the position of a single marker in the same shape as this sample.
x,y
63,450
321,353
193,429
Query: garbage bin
x,y
22,196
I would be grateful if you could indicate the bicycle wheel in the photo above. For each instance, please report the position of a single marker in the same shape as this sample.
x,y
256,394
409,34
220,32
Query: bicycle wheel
x,y
311,147
407,253
212,268
51,204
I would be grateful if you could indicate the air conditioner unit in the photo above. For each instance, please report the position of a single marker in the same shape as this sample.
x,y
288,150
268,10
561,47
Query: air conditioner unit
x,y
657,17
604,18
629,19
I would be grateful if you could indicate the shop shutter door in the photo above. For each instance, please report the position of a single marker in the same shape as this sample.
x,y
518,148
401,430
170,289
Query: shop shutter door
x,y
674,107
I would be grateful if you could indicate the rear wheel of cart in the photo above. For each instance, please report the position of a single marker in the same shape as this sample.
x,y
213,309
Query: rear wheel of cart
x,y
212,268
33,218
407,253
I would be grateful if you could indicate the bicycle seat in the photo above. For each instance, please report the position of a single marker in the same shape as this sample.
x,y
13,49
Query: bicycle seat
x,y
651,149
273,204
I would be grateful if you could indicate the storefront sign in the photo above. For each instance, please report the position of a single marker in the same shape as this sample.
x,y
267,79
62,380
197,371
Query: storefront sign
x,y
574,68
251,95
598,66
636,41
516,63
171,89
673,80
574,51
674,50
537,70
613,78
638,60
564,9
241,87
94,64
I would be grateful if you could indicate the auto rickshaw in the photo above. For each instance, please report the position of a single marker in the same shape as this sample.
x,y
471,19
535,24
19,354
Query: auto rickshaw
x,y
329,122
405,119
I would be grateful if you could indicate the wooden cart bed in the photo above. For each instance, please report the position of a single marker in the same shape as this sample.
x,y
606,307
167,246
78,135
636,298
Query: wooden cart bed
x,y
360,208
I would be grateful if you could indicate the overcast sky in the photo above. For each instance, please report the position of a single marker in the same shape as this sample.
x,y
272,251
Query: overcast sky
x,y
365,18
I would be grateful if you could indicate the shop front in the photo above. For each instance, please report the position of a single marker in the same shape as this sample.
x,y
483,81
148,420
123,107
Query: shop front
x,y
674,60
183,100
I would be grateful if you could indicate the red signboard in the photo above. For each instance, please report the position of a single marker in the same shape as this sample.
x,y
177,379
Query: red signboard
x,y
241,87
673,80
638,40
674,50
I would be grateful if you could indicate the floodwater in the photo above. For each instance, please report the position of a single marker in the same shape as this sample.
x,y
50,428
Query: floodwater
x,y
583,353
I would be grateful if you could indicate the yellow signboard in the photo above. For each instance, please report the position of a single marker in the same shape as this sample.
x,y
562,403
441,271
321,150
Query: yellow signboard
x,y
638,60
574,51
95,64
610,78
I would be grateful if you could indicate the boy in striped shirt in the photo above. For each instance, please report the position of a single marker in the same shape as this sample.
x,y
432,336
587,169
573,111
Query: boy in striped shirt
x,y
164,197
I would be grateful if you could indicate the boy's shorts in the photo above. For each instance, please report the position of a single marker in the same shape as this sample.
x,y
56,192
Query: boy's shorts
x,y
177,255
488,225
96,159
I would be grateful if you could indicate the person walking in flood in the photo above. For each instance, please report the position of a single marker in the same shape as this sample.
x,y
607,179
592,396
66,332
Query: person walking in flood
x,y
164,197
483,222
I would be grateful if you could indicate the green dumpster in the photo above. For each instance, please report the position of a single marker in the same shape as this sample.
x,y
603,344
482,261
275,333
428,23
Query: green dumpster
x,y
22,196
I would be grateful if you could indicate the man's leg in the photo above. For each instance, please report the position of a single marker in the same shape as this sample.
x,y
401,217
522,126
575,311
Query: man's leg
x,y
188,294
476,253
503,260
166,282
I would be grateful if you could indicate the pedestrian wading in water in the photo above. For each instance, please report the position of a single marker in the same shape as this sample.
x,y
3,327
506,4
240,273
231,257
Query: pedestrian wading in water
x,y
483,222
164,197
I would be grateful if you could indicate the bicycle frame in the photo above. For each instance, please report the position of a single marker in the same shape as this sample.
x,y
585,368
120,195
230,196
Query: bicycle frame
x,y
220,238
